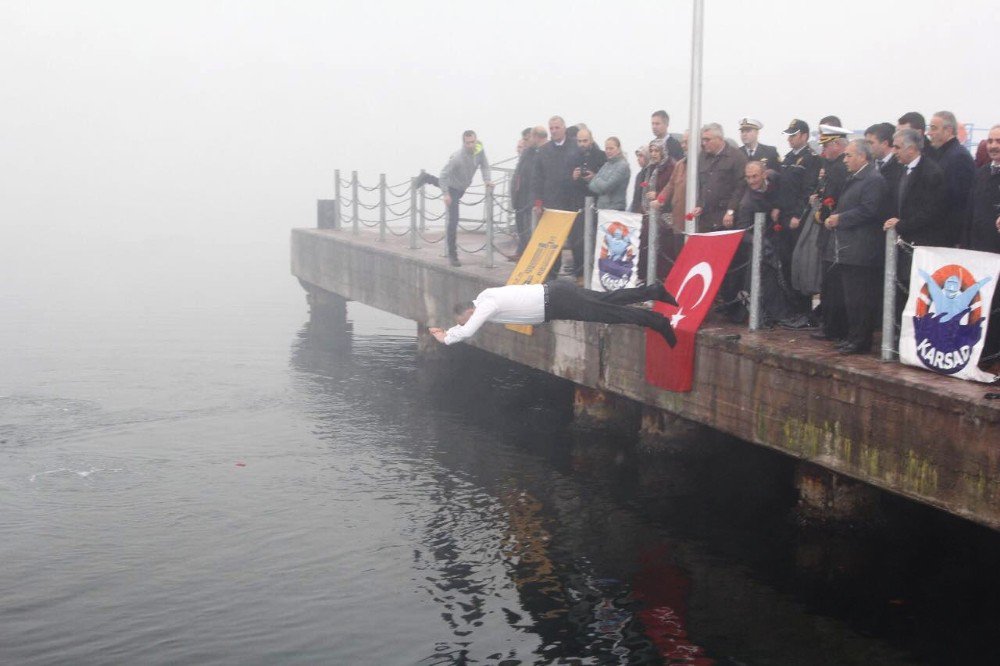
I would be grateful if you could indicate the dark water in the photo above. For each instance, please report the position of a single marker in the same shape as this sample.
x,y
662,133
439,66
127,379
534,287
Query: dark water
x,y
218,479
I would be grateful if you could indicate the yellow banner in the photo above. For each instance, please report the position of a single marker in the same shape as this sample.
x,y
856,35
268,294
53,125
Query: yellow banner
x,y
545,245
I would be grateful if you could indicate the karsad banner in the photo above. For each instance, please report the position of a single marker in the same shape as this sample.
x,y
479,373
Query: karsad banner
x,y
694,281
616,250
545,245
944,322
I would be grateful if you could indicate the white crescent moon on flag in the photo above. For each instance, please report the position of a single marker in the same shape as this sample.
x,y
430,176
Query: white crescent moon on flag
x,y
702,270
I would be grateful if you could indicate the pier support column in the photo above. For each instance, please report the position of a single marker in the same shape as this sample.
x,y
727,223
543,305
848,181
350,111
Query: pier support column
x,y
599,409
660,428
826,496
328,317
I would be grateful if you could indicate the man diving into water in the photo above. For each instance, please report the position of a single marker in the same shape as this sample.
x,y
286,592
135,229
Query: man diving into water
x,y
539,303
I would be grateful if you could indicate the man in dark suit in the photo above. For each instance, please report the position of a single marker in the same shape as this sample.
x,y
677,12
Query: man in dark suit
x,y
553,180
767,155
720,180
521,195
983,232
879,138
919,199
854,251
984,223
799,172
959,169
588,161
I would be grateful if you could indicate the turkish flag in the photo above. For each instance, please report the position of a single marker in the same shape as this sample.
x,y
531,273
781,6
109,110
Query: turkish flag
x,y
694,281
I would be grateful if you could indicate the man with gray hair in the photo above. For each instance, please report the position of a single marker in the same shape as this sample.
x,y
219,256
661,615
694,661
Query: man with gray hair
x,y
959,171
854,251
919,201
720,180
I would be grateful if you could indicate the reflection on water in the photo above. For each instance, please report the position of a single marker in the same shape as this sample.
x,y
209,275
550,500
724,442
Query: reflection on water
x,y
357,504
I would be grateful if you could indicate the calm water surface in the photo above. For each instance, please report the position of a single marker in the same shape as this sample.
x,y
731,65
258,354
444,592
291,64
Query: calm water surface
x,y
205,474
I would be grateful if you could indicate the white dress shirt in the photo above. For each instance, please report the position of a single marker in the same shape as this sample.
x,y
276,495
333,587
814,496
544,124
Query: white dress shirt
x,y
512,304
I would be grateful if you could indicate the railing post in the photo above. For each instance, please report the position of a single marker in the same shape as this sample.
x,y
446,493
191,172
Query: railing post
x,y
588,241
336,197
889,298
535,216
653,242
756,256
413,213
423,202
489,227
381,207
354,204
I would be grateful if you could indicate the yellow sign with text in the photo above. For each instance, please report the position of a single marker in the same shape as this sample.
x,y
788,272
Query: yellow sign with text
x,y
545,245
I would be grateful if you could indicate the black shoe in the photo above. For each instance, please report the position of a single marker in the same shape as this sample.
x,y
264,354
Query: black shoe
x,y
660,293
851,348
454,262
794,323
667,331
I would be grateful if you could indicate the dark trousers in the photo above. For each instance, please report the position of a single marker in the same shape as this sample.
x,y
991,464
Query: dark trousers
x,y
852,294
522,219
668,246
831,295
862,289
575,242
451,231
737,280
568,301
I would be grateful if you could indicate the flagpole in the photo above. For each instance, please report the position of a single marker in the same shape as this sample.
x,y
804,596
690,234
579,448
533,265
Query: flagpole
x,y
694,134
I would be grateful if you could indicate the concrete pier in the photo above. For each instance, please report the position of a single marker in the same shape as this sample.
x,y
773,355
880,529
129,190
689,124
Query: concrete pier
x,y
933,439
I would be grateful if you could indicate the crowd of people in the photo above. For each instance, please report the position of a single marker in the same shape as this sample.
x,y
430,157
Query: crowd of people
x,y
827,209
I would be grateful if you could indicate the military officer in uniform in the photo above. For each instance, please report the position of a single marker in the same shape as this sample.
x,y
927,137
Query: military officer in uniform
x,y
799,170
767,155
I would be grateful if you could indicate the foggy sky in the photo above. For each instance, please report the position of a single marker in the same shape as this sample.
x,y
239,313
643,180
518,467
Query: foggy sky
x,y
138,134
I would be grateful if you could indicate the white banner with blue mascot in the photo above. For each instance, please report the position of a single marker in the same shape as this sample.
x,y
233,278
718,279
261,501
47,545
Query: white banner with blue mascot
x,y
944,323
616,250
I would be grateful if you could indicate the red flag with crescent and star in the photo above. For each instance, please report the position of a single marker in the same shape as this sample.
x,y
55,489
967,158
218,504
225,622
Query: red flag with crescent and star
x,y
694,281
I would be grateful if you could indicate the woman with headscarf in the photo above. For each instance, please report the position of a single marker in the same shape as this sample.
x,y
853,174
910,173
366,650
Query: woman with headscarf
x,y
642,157
661,168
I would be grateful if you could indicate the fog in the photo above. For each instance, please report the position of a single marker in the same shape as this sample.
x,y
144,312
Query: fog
x,y
166,148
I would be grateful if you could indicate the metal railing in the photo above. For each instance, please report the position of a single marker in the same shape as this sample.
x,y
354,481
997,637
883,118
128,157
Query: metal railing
x,y
496,220
406,209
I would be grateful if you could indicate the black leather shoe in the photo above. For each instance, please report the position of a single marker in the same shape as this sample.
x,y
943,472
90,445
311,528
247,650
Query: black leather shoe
x,y
660,293
851,348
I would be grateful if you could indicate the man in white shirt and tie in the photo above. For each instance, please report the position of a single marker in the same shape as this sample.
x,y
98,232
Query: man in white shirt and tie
x,y
539,303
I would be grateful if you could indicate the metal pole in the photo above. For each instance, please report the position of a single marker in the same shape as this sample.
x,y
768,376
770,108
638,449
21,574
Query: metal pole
x,y
758,253
536,215
489,227
653,243
889,298
588,241
694,137
423,202
354,204
381,207
336,196
413,213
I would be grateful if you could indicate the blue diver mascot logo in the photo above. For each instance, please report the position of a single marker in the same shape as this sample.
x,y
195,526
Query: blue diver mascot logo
x,y
949,318
615,265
